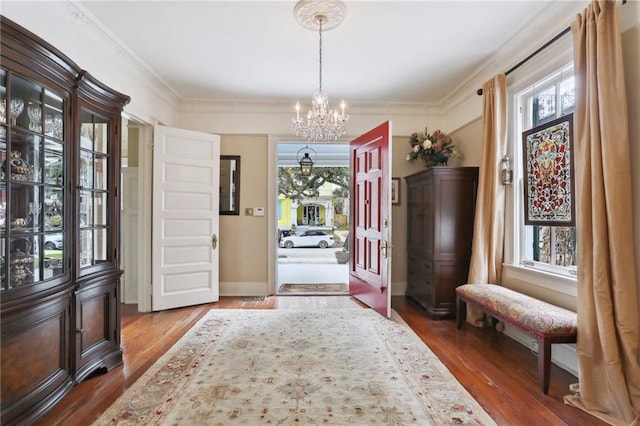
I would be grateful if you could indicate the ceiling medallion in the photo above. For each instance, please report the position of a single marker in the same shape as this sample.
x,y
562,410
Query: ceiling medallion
x,y
322,123
306,12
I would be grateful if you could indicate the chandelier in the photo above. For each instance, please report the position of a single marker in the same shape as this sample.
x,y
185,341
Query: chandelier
x,y
322,124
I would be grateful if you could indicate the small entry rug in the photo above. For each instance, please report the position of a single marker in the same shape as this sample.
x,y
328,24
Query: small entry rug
x,y
289,367
314,288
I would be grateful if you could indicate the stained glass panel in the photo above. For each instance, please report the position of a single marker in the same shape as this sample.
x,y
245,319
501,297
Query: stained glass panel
x,y
548,177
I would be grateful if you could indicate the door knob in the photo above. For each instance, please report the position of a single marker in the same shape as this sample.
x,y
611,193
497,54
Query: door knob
x,y
214,241
385,247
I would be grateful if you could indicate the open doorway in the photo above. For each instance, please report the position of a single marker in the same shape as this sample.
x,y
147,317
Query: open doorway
x,y
312,219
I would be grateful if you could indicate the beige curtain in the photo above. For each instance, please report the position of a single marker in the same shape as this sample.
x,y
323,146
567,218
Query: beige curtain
x,y
487,249
608,326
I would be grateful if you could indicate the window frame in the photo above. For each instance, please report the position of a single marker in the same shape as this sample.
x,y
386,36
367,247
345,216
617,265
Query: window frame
x,y
538,70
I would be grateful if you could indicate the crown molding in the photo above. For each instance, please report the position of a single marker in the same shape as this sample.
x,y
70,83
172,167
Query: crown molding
x,y
283,107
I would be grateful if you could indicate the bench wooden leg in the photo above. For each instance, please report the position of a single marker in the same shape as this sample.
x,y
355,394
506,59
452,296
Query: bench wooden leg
x,y
544,363
461,312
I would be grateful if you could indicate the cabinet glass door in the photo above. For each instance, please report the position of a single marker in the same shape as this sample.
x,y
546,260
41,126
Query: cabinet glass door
x,y
32,151
94,203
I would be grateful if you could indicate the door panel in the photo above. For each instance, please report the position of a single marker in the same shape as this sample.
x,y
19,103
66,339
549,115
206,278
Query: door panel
x,y
369,275
186,177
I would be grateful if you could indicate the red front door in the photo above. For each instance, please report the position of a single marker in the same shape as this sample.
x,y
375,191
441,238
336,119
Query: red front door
x,y
370,266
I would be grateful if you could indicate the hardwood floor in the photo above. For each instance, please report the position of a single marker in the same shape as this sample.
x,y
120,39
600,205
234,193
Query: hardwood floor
x,y
500,373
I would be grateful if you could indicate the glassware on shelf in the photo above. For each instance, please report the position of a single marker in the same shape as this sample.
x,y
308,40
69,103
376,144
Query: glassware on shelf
x,y
53,125
21,263
35,118
2,274
3,110
19,223
20,169
34,213
15,109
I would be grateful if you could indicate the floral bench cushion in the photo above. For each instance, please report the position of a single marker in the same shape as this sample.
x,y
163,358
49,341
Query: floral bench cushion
x,y
530,314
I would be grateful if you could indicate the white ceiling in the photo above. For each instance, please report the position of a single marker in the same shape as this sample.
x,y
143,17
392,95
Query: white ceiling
x,y
384,52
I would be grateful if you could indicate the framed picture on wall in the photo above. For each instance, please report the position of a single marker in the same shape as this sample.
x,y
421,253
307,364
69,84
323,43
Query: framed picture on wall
x,y
395,190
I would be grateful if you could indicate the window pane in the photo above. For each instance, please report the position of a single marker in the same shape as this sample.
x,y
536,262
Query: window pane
x,y
53,167
564,246
53,255
86,131
86,248
101,135
100,164
22,261
545,105
86,208
53,202
3,264
86,169
100,208
100,245
567,95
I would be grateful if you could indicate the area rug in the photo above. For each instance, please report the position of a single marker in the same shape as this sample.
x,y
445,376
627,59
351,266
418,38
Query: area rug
x,y
314,288
290,367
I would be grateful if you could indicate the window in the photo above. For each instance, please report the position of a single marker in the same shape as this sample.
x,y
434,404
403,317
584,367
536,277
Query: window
x,y
547,248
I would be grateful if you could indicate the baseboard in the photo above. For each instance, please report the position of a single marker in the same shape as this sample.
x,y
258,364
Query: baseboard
x,y
563,355
398,288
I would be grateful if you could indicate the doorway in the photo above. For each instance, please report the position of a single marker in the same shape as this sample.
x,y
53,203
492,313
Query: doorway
x,y
312,219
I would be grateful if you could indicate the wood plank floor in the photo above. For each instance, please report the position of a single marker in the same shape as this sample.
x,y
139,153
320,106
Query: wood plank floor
x,y
500,373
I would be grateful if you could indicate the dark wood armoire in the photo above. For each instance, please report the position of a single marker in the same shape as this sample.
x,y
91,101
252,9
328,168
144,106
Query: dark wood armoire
x,y
440,216
59,225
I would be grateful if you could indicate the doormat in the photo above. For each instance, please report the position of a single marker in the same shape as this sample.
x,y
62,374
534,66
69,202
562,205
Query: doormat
x,y
254,298
314,288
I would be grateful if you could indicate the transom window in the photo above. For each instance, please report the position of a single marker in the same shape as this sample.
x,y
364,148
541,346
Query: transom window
x,y
549,248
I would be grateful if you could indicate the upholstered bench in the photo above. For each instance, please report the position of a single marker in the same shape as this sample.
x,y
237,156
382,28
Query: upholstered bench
x,y
547,323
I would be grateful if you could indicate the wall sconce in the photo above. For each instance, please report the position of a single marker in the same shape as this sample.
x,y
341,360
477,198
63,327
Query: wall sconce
x,y
507,173
306,163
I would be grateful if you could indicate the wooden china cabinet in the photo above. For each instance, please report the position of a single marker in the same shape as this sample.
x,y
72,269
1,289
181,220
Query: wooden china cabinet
x,y
440,216
59,225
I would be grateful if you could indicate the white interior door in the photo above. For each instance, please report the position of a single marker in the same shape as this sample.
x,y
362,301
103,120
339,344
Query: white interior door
x,y
186,193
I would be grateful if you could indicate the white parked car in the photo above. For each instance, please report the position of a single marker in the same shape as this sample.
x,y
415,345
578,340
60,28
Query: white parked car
x,y
308,239
53,242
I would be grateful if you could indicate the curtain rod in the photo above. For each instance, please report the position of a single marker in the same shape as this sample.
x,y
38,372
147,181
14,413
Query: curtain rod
x,y
525,60
547,44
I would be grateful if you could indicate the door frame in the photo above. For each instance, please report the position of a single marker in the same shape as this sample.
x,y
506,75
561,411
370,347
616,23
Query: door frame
x,y
145,207
272,191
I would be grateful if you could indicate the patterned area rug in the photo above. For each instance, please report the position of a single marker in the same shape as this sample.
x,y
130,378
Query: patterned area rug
x,y
287,367
314,288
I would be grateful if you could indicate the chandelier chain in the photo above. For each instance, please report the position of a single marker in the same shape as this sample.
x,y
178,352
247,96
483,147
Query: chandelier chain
x,y
321,19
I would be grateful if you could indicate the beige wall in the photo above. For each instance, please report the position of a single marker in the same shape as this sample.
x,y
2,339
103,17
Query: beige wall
x,y
133,142
400,168
468,140
243,239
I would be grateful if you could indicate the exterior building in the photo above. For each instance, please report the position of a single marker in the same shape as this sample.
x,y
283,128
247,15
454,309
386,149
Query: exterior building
x,y
317,213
